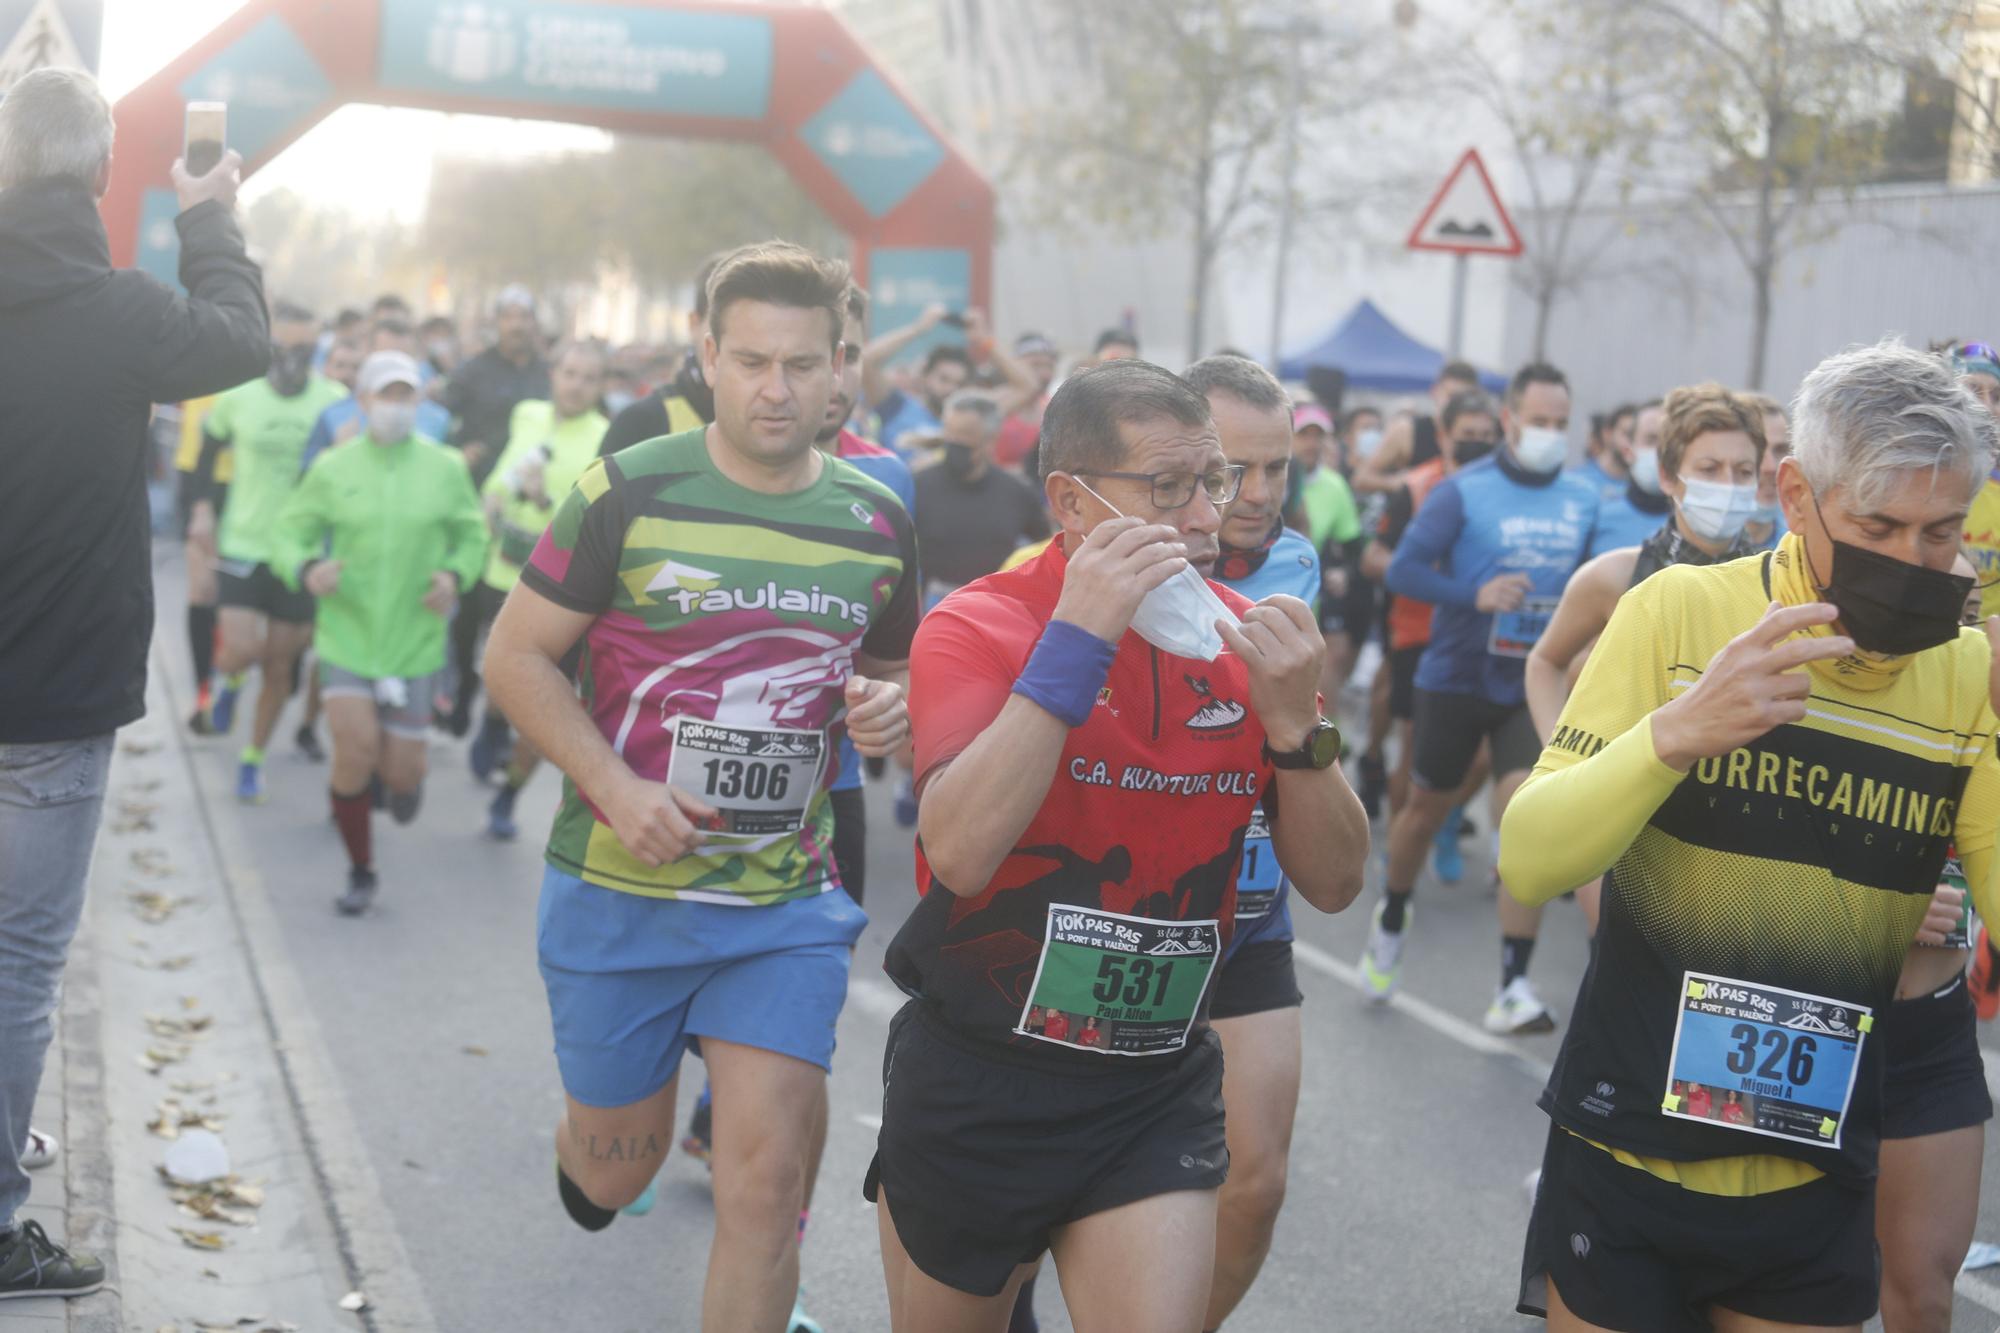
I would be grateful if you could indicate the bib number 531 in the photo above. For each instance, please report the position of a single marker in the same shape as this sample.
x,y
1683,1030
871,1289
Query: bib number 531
x,y
1124,980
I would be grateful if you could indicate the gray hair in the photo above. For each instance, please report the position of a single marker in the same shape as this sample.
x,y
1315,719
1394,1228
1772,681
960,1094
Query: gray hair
x,y
980,404
1240,378
53,123
1868,414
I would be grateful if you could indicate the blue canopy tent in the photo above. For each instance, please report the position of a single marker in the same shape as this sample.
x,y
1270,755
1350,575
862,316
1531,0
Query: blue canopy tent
x,y
1374,354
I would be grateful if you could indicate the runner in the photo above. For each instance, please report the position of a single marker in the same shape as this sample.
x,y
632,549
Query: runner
x,y
198,548
1641,506
1767,524
1471,424
382,534
549,444
972,514
1711,449
1979,366
1607,463
481,394
1255,1007
264,425
947,369
1333,530
1934,1110
1771,859
1085,794
1491,549
1015,448
1412,438
684,402
735,590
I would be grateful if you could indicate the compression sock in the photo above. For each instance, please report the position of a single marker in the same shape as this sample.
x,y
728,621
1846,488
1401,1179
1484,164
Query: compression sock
x,y
1515,951
352,814
253,755
580,1209
1395,907
201,641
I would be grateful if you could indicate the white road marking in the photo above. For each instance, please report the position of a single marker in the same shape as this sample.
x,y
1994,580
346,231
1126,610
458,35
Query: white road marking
x,y
1979,1291
877,999
1469,1035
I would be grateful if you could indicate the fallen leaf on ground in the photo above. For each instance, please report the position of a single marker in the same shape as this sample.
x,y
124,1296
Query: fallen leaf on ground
x,y
179,963
179,1028
201,1240
151,862
138,747
474,1050
159,1056
354,1301
144,785
170,1118
134,816
153,908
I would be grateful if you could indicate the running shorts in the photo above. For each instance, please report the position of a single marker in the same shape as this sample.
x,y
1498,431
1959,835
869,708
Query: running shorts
x,y
850,840
252,586
1402,668
404,708
1933,1078
630,979
1630,1251
982,1156
1258,977
1449,728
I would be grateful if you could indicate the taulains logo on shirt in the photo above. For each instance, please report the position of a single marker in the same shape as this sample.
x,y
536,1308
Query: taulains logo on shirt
x,y
1214,714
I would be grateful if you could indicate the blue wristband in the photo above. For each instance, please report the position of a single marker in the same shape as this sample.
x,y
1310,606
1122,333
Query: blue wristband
x,y
1066,670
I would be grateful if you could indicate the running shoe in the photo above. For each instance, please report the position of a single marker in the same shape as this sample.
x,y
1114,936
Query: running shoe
x,y
199,723
906,803
1374,784
308,742
1447,863
801,1321
700,1140
1517,1011
33,1265
361,886
642,1205
1984,979
39,1151
500,824
488,750
222,710
250,783
1382,960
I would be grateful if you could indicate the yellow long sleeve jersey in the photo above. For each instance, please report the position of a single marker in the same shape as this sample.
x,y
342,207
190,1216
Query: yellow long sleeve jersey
x,y
1799,863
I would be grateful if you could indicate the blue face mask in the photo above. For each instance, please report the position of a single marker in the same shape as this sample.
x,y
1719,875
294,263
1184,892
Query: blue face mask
x,y
1765,513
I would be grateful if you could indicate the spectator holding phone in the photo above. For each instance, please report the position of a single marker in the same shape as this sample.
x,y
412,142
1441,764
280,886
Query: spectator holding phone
x,y
85,351
947,369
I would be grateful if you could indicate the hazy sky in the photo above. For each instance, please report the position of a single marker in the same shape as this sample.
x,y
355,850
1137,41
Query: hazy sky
x,y
369,159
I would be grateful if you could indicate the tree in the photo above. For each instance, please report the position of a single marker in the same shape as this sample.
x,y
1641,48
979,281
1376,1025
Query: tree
x,y
1191,106
1779,104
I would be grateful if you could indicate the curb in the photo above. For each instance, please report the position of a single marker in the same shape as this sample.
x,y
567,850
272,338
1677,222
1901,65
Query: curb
x,y
92,1214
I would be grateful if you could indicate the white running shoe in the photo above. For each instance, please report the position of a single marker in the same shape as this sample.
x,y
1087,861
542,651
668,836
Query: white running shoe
x,y
1382,960
1517,1011
40,1150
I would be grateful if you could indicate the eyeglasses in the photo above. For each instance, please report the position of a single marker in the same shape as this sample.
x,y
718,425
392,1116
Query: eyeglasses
x,y
1173,490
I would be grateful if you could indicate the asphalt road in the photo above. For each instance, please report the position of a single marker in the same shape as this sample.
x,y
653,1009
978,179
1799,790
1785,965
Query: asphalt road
x,y
1415,1129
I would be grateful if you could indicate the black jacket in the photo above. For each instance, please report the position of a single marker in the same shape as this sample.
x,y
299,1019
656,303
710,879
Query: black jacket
x,y
85,351
646,418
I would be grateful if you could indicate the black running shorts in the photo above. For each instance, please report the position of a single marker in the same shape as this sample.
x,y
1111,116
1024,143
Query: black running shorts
x,y
1402,669
982,1155
1933,1078
850,840
253,587
1449,728
1630,1251
1258,977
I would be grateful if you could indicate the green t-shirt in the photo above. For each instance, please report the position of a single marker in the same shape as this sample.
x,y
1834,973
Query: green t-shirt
x,y
1330,512
392,515
266,435
566,448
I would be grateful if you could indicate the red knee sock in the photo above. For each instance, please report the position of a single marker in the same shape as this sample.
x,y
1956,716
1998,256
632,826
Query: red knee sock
x,y
352,814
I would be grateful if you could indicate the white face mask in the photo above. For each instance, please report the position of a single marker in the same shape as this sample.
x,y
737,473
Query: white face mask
x,y
1541,448
1179,616
1646,470
1716,511
390,422
1368,441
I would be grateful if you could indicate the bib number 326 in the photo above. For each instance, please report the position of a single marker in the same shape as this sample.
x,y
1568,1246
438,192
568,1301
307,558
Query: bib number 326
x,y
1114,984
1764,1060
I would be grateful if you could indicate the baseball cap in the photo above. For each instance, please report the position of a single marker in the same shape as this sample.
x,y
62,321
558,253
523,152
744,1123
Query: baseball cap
x,y
1033,344
1976,358
387,367
1311,414
514,294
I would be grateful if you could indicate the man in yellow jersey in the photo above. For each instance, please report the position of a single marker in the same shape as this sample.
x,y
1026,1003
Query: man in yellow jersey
x,y
1979,364
1770,757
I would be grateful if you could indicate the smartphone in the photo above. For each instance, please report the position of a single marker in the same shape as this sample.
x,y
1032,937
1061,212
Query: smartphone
x,y
207,131
956,319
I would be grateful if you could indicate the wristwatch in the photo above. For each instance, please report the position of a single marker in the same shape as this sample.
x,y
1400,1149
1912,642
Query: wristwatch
x,y
1319,750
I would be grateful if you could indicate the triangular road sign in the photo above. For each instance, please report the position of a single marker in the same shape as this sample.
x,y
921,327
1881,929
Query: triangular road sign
x,y
1465,216
42,42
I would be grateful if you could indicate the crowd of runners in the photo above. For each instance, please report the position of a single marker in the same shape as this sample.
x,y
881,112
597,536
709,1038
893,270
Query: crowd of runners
x,y
1115,635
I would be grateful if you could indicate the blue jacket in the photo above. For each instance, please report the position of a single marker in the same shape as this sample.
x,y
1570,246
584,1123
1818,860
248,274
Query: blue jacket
x,y
1490,519
1621,522
894,473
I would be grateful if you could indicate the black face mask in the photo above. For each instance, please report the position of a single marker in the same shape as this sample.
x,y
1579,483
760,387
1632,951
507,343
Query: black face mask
x,y
958,460
1471,451
291,367
1888,605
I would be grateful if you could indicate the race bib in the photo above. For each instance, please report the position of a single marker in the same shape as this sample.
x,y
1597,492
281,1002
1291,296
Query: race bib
x,y
1515,633
1764,1060
1259,879
1119,985
392,693
761,780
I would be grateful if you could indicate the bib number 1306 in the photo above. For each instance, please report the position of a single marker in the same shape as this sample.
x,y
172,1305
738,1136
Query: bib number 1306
x,y
761,780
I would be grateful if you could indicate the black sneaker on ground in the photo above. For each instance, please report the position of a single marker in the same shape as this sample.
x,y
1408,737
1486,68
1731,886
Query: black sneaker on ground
x,y
361,885
308,742
33,1265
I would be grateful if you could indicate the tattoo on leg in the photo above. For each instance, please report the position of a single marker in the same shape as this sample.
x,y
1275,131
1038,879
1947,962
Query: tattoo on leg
x,y
614,1148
